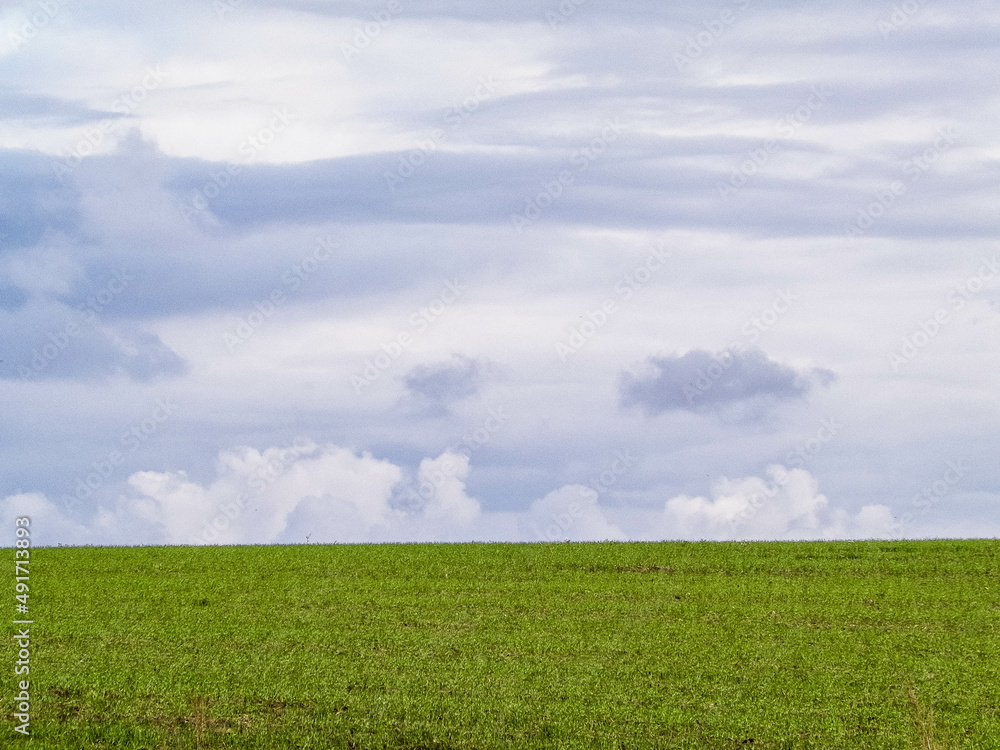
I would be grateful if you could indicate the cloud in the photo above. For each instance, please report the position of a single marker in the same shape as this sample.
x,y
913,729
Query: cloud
x,y
329,494
448,502
436,506
32,200
751,159
48,524
701,381
325,493
518,11
52,110
12,297
639,181
124,210
572,513
785,504
43,341
269,496
439,385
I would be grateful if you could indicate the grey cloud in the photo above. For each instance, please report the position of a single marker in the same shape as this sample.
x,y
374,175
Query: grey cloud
x,y
12,297
651,183
143,356
32,200
700,381
43,341
443,383
51,110
115,213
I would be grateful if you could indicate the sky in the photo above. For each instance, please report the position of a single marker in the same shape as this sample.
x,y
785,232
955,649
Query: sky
x,y
292,271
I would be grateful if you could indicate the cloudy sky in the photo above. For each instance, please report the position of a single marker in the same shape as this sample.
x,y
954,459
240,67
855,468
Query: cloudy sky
x,y
277,271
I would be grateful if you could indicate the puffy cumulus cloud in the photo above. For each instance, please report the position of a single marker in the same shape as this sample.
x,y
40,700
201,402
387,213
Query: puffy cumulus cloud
x,y
785,504
701,381
572,513
269,496
329,494
279,495
48,525
374,502
323,494
448,501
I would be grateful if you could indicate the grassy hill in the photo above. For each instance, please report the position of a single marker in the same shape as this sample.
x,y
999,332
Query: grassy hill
x,y
673,645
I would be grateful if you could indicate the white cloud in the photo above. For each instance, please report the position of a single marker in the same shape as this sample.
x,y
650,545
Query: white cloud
x,y
48,524
449,501
261,497
572,513
786,504
329,494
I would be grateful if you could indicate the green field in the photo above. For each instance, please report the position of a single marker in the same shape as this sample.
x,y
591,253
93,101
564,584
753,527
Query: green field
x,y
672,645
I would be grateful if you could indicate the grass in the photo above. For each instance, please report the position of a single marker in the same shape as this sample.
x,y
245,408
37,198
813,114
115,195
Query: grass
x,y
766,645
